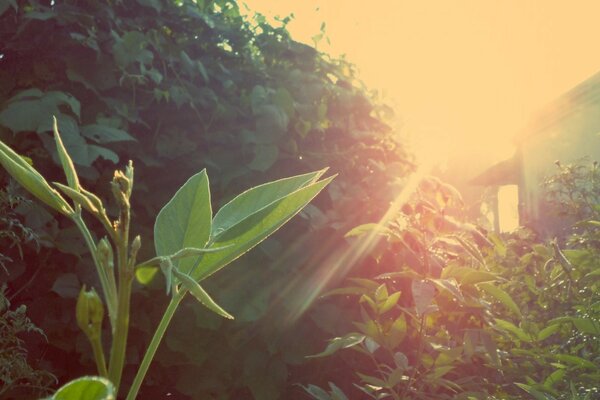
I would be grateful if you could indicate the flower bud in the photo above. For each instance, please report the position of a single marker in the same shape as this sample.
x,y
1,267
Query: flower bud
x,y
89,312
136,244
104,253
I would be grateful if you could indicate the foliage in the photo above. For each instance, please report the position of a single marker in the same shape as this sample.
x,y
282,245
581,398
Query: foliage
x,y
424,327
177,86
17,376
527,311
183,230
553,348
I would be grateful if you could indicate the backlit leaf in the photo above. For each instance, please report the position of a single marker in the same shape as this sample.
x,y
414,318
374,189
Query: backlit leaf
x,y
185,221
251,217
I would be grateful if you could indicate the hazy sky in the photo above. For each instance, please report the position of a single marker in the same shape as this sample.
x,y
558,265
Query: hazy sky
x,y
465,75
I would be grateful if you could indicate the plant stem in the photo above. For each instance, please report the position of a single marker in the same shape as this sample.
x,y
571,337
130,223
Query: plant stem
x,y
99,356
119,342
153,346
108,285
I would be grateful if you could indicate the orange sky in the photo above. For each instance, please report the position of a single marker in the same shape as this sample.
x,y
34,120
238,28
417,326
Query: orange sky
x,y
465,75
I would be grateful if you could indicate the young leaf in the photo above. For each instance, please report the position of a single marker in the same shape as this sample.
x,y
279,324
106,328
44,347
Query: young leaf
x,y
257,198
200,294
185,221
77,198
244,233
32,181
65,159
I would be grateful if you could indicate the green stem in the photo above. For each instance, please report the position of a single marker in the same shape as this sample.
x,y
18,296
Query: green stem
x,y
108,285
99,356
119,343
153,346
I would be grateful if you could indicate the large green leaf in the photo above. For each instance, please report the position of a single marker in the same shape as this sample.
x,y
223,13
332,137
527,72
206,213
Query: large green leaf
x,y
88,388
252,217
257,198
185,221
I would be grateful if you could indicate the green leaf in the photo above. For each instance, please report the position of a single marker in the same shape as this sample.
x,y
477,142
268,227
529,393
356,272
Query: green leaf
x,y
264,157
547,332
31,180
586,325
574,360
422,293
502,296
78,198
438,372
88,388
185,221
472,250
65,159
468,276
367,228
397,332
450,286
130,48
554,378
336,393
145,274
512,328
200,294
257,198
338,343
105,134
316,392
254,215
31,109
537,395
389,302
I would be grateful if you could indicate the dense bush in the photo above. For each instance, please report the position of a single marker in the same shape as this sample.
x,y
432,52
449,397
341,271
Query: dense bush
x,y
177,86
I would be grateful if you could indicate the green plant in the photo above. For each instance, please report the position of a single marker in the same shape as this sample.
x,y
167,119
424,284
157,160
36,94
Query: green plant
x,y
501,316
190,244
177,86
424,329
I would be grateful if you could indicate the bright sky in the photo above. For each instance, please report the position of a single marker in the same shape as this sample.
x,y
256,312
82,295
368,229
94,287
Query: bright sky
x,y
465,75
